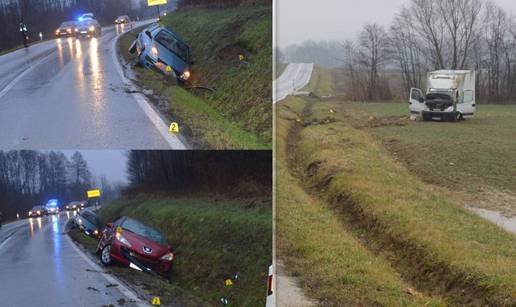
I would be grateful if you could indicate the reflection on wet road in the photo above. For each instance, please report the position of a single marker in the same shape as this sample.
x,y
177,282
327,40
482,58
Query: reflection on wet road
x,y
40,267
67,93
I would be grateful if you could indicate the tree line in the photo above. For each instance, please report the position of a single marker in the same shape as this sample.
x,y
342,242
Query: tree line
x,y
29,178
425,35
201,172
46,15
220,3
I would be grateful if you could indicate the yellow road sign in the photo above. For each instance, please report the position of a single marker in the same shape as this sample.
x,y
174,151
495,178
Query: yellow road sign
x,y
93,193
156,2
156,301
174,128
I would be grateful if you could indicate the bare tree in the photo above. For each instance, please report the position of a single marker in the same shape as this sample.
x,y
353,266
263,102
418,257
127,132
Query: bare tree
x,y
373,53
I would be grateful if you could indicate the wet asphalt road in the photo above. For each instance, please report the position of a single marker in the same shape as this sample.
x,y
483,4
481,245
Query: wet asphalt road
x,y
294,78
67,93
39,266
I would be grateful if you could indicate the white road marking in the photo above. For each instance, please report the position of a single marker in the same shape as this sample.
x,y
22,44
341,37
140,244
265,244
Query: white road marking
x,y
6,240
125,291
25,72
172,140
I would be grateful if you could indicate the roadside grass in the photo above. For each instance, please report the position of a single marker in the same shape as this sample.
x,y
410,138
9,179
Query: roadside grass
x,y
280,68
475,156
243,93
321,83
212,240
203,125
316,246
436,244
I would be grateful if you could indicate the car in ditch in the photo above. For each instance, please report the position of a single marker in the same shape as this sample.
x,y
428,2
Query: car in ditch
x,y
66,29
88,222
160,48
37,211
134,244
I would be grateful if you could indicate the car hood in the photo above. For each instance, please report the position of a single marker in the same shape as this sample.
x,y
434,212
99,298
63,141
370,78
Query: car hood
x,y
171,59
139,242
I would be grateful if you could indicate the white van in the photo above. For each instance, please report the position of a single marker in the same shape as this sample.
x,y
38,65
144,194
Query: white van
x,y
450,95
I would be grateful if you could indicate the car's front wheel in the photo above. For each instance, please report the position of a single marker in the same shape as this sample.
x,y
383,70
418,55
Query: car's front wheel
x,y
105,255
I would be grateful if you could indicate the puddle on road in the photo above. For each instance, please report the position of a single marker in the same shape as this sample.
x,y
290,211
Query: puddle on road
x,y
508,224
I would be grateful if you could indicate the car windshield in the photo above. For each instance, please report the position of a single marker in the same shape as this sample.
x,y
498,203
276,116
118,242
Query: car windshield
x,y
67,24
90,216
173,44
144,230
36,208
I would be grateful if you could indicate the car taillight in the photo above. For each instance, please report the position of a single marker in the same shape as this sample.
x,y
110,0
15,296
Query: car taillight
x,y
168,256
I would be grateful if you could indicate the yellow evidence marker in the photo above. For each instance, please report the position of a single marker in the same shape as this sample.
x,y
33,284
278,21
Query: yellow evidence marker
x,y
228,283
156,301
168,68
174,128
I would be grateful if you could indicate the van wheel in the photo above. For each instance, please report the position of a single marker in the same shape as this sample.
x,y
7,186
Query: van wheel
x,y
105,255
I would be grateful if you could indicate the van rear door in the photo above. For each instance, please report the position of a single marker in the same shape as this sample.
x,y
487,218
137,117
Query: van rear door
x,y
416,101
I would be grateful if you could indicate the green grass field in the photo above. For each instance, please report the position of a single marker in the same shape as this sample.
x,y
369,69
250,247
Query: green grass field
x,y
321,83
332,265
475,156
238,113
212,240
398,187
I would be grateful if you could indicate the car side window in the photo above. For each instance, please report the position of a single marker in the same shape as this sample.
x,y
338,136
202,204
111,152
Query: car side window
x,y
415,94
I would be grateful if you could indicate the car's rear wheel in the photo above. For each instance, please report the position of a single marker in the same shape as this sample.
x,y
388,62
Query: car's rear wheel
x,y
105,255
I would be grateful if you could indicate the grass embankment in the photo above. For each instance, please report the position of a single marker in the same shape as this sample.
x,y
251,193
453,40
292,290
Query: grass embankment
x,y
238,114
475,157
212,239
321,82
316,246
437,245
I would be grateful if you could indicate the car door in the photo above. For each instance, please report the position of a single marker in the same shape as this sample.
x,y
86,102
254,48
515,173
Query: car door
x,y
416,101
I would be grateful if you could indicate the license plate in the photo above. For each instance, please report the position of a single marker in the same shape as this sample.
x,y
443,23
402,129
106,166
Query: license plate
x,y
84,32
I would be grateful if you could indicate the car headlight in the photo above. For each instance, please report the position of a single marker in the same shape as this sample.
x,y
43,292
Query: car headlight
x,y
79,221
91,28
76,30
122,240
168,257
30,212
185,75
69,30
57,31
38,212
154,51
96,232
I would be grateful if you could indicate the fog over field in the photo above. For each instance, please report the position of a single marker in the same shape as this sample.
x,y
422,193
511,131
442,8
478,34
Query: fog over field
x,y
301,20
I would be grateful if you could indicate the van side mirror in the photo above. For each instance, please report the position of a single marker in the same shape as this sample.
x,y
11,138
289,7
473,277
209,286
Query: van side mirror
x,y
148,34
109,225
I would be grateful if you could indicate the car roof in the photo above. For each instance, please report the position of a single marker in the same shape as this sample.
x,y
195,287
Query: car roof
x,y
37,207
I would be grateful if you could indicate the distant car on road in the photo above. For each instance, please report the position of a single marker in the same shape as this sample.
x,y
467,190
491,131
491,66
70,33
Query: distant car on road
x,y
37,211
158,47
123,19
88,222
76,205
132,243
66,29
88,28
52,206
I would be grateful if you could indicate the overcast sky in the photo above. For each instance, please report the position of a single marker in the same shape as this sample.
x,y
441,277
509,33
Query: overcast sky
x,y
300,20
110,163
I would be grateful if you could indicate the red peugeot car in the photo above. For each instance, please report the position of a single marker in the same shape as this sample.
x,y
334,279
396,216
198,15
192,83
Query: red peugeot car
x,y
134,244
